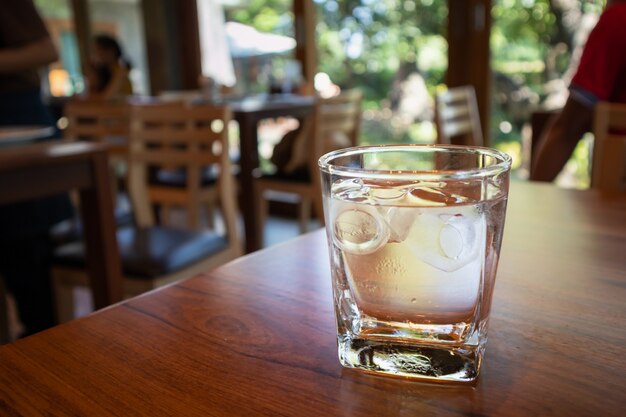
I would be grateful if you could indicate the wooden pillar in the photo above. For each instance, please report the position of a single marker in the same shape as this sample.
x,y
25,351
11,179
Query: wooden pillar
x,y
189,43
469,29
306,52
160,25
82,28
172,44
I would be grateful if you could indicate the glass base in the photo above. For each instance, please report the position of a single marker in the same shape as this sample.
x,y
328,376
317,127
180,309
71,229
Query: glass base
x,y
435,363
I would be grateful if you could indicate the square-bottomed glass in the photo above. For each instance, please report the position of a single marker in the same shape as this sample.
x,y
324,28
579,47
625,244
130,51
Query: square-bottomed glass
x,y
414,233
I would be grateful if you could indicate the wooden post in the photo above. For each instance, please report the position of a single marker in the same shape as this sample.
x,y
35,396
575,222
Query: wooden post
x,y
306,52
172,44
82,28
160,25
469,29
189,44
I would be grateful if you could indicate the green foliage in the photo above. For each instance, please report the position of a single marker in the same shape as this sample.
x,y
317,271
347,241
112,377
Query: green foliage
x,y
273,16
59,9
532,46
368,43
356,37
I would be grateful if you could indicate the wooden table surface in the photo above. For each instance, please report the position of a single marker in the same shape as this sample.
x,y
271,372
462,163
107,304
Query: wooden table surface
x,y
39,170
256,337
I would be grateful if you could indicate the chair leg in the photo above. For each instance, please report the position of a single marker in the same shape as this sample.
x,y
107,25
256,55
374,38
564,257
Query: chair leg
x,y
210,214
261,212
193,214
165,215
64,298
304,214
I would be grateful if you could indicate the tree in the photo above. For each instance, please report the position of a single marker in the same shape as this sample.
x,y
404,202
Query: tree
x,y
369,43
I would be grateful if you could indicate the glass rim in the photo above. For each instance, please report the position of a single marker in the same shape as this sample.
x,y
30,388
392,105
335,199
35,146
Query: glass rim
x,y
503,163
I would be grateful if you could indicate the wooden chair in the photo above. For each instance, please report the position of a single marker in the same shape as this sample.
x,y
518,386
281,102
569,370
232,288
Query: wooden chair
x,y
331,115
608,168
176,135
99,121
104,122
457,118
153,256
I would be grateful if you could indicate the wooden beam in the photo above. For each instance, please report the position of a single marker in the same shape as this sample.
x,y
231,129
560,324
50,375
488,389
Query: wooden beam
x,y
82,28
189,43
161,32
172,44
469,29
305,22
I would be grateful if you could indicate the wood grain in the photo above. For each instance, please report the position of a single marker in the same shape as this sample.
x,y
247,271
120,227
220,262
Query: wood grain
x,y
257,337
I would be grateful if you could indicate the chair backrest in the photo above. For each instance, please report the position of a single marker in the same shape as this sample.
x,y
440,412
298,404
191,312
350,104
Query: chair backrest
x,y
457,118
98,121
340,114
608,168
181,136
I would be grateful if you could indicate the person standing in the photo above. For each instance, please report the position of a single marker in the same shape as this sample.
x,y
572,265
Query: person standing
x,y
601,76
25,248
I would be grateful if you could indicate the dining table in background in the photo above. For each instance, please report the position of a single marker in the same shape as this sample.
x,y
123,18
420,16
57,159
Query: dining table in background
x,y
248,112
19,135
47,168
257,336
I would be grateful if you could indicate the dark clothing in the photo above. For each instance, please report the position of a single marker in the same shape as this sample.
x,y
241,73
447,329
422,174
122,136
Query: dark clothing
x,y
24,263
25,249
20,25
29,218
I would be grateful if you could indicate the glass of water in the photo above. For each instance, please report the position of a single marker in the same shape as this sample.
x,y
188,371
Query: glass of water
x,y
414,233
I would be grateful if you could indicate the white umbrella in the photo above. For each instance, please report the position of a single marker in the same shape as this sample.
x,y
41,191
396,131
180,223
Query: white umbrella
x,y
245,41
217,63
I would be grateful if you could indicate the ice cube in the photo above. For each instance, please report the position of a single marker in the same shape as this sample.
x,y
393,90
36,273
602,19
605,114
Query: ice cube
x,y
428,197
451,241
358,229
393,282
353,190
385,195
448,237
399,220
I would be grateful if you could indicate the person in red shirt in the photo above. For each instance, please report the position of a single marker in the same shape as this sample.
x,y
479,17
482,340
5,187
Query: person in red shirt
x,y
601,76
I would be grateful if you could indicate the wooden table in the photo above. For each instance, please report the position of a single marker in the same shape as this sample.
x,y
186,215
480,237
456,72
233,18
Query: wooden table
x,y
248,113
40,170
14,135
257,338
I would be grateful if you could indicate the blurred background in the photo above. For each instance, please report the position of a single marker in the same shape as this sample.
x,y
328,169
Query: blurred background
x,y
395,51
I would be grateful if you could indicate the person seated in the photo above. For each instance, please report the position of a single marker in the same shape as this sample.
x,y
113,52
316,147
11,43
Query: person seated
x,y
108,77
601,76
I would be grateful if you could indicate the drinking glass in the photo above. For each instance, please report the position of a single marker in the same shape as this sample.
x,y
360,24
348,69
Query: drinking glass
x,y
414,233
